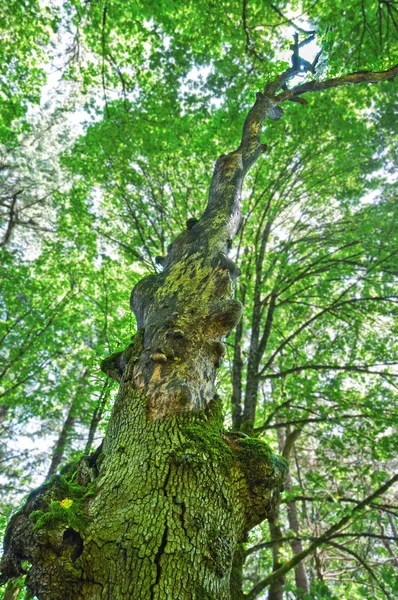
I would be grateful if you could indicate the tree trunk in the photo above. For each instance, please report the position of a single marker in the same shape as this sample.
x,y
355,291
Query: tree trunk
x,y
300,572
3,413
286,439
174,499
63,438
162,509
277,587
97,416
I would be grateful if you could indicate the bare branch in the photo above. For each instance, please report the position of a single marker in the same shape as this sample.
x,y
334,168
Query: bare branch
x,y
351,78
324,538
348,368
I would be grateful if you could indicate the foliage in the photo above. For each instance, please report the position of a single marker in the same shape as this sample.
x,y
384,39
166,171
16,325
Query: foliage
x,y
25,30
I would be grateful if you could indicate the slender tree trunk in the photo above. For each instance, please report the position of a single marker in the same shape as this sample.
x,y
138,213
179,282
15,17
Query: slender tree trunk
x,y
97,416
11,219
277,587
63,439
286,445
237,366
67,428
300,572
255,353
318,566
3,413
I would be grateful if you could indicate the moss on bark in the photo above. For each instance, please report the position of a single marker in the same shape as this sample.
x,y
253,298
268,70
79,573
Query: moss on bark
x,y
181,496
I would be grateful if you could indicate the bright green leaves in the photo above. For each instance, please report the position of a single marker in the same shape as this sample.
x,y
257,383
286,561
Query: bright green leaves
x,y
25,31
356,35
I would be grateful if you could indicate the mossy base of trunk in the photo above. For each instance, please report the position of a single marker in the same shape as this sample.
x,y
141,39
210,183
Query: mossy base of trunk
x,y
174,499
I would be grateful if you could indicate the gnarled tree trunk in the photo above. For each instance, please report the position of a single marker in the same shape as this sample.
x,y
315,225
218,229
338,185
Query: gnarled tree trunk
x,y
161,509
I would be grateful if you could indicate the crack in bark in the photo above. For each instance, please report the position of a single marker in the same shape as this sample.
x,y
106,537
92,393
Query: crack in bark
x,y
158,559
181,515
166,481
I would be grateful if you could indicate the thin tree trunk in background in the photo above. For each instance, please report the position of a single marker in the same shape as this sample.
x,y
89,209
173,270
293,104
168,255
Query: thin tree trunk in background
x,y
97,416
3,412
67,428
63,439
286,445
318,566
300,572
237,369
254,357
276,588
11,220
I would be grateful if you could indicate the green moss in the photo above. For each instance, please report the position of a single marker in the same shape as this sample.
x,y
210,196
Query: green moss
x,y
68,472
134,350
67,488
280,464
69,512
66,504
185,274
254,448
258,461
214,413
204,429
211,442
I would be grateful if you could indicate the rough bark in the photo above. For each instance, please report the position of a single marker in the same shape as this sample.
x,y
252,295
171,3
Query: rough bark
x,y
173,498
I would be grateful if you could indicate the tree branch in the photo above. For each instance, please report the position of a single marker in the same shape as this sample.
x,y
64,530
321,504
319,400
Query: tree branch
x,y
302,538
361,562
325,419
334,499
351,78
292,23
351,368
324,538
